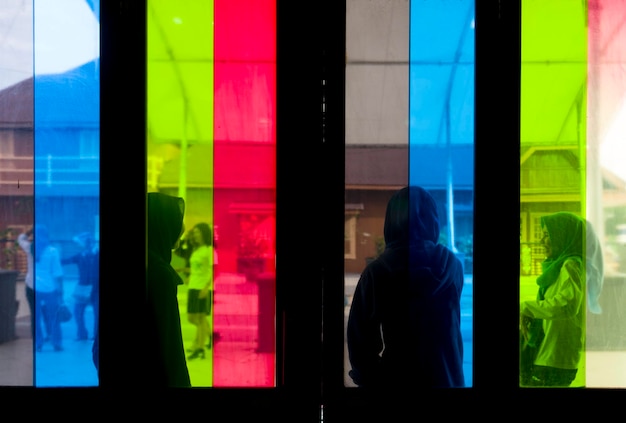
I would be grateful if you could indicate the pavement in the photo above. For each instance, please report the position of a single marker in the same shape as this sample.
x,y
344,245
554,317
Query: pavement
x,y
235,359
48,368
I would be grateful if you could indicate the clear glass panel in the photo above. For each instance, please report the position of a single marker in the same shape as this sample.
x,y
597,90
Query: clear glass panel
x,y
16,199
572,149
211,140
606,197
67,190
409,120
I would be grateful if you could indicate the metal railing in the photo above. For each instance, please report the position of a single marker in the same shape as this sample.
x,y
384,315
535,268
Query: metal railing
x,y
50,170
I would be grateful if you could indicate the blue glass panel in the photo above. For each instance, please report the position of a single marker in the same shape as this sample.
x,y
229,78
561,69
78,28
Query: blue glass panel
x,y
66,192
441,129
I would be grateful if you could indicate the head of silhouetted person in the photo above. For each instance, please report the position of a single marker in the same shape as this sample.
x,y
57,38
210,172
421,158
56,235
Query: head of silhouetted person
x,y
411,217
165,223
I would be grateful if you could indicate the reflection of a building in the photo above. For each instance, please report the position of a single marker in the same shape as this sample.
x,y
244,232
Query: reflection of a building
x,y
242,211
550,181
408,83
64,164
374,173
16,170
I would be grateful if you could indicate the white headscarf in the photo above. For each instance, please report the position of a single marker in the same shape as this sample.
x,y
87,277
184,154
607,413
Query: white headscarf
x,y
595,270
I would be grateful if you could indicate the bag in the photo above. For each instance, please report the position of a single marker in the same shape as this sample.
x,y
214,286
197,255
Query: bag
x,y
82,293
63,313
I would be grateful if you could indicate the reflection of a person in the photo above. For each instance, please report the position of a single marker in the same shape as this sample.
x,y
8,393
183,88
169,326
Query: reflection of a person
x,y
200,287
24,240
405,318
48,286
594,261
553,324
88,273
165,363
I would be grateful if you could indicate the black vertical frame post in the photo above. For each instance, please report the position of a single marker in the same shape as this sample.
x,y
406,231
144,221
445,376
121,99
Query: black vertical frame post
x,y
122,195
333,214
302,176
496,205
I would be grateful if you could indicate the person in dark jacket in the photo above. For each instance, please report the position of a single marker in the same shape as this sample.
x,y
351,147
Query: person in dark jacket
x,y
166,365
85,294
404,326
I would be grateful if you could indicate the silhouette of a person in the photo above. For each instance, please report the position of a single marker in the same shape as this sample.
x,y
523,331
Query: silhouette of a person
x,y
165,365
404,325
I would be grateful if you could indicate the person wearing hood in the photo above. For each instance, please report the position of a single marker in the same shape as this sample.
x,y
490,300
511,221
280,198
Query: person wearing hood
x,y
404,326
165,365
552,327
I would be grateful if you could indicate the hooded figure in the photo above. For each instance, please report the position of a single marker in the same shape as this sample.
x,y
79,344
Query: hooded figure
x,y
404,322
166,362
554,323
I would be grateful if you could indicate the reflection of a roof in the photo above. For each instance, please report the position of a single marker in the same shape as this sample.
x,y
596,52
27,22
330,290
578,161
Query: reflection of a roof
x,y
16,106
67,109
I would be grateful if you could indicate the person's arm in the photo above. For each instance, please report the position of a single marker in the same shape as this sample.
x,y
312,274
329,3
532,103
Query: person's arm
x,y
567,301
57,270
363,335
23,242
206,264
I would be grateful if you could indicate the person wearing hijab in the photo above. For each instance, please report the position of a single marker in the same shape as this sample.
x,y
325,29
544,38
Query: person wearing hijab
x,y
404,325
554,323
166,365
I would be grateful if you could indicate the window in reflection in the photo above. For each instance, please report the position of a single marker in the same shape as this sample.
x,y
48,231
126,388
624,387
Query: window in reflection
x,y
572,144
409,120
212,141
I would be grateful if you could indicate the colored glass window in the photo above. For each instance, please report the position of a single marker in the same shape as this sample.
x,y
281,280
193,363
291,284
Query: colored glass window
x,y
572,95
409,121
211,131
